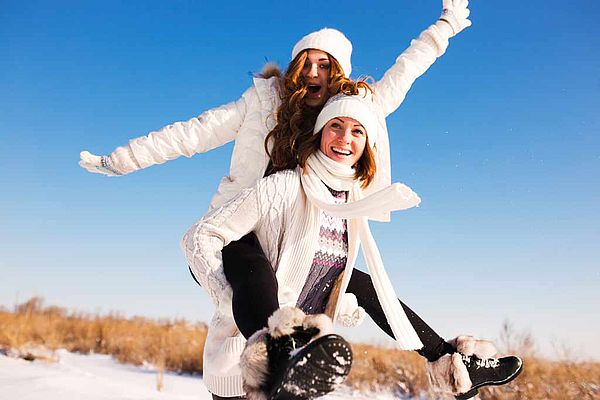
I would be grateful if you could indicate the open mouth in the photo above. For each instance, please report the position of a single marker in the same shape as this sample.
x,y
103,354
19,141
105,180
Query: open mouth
x,y
340,151
314,89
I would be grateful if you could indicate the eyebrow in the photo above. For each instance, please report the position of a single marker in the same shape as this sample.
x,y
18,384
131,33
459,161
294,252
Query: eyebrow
x,y
319,60
359,124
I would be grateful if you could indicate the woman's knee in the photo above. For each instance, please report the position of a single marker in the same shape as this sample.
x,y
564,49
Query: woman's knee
x,y
244,258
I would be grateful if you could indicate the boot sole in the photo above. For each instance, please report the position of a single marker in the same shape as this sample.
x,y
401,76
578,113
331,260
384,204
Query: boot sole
x,y
474,389
316,370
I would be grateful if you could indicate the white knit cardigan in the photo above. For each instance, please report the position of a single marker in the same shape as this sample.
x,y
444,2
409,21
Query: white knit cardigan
x,y
287,227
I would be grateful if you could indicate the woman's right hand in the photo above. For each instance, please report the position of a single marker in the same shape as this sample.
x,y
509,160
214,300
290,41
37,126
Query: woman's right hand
x,y
97,164
456,14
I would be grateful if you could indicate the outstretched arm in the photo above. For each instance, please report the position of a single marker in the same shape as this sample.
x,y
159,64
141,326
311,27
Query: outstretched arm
x,y
211,129
391,90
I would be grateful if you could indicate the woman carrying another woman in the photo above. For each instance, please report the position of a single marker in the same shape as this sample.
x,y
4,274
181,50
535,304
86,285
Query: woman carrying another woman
x,y
310,221
285,108
281,110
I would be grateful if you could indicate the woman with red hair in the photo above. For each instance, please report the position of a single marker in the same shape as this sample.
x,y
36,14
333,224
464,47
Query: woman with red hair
x,y
311,221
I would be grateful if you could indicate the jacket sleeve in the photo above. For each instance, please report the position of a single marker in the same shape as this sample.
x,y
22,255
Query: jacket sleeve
x,y
211,129
204,241
391,89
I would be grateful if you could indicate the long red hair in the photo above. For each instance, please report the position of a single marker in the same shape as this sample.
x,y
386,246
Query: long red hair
x,y
296,120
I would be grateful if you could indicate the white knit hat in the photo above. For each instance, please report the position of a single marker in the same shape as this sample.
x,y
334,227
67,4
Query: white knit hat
x,y
330,41
359,107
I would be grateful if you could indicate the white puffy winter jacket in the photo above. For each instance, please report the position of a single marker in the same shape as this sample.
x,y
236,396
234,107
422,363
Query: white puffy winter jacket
x,y
249,119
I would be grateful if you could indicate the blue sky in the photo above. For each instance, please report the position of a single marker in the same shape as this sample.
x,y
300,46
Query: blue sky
x,y
499,138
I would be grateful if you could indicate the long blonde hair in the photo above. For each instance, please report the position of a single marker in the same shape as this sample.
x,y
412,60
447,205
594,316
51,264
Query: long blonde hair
x,y
296,120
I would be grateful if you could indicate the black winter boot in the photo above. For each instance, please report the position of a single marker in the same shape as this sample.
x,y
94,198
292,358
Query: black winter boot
x,y
489,371
296,357
474,364
314,370
281,348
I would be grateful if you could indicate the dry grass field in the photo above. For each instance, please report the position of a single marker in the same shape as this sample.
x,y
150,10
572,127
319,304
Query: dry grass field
x,y
177,346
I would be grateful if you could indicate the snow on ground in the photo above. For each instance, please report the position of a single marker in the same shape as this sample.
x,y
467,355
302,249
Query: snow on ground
x,y
99,377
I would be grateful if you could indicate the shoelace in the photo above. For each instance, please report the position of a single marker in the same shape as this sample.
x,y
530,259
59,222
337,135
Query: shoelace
x,y
481,363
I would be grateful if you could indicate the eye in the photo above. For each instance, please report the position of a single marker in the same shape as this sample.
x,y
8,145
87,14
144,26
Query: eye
x,y
336,125
325,66
358,132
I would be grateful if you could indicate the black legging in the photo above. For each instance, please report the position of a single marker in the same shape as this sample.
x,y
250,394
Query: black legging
x,y
362,287
253,283
255,296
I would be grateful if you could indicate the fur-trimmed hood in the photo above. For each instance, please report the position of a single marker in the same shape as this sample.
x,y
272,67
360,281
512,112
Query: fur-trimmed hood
x,y
270,70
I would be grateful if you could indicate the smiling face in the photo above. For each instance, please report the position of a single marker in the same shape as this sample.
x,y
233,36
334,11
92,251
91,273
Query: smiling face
x,y
343,140
316,73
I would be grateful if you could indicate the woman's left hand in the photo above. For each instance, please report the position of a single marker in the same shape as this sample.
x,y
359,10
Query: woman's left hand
x,y
97,164
456,14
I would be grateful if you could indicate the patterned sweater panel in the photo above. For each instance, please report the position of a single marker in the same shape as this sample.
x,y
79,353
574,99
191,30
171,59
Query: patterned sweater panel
x,y
329,260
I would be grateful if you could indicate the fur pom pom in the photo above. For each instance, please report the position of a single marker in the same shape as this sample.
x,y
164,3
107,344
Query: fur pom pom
x,y
460,375
351,314
283,321
469,345
254,364
319,321
448,375
256,395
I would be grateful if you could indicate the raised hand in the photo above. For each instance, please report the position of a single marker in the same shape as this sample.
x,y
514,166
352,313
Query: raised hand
x,y
456,14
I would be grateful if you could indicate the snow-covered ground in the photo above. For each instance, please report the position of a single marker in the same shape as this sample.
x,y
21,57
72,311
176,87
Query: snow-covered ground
x,y
99,377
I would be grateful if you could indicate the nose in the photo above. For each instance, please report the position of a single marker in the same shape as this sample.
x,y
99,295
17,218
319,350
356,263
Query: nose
x,y
313,71
345,134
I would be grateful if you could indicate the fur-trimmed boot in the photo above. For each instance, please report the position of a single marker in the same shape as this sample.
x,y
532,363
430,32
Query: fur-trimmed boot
x,y
295,357
472,366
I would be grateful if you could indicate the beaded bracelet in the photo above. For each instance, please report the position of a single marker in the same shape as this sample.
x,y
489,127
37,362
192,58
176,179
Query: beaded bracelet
x,y
106,164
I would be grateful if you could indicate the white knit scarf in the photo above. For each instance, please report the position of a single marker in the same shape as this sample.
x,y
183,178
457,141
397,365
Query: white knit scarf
x,y
321,169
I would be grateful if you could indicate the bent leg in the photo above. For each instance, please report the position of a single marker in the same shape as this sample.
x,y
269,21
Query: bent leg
x,y
362,287
253,281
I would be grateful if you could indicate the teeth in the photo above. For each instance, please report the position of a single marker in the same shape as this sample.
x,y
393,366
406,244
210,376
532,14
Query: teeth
x,y
341,151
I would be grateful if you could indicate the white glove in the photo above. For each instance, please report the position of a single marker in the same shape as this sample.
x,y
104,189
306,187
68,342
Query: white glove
x,y
97,164
456,14
351,314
